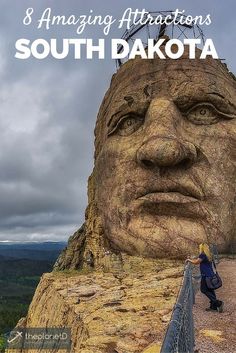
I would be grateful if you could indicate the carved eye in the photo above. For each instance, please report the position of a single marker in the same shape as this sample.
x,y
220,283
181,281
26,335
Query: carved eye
x,y
127,125
205,114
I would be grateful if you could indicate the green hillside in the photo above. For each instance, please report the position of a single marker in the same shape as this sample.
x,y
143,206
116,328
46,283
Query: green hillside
x,y
19,278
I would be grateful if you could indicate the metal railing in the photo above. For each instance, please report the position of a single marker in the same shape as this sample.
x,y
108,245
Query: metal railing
x,y
179,336
215,253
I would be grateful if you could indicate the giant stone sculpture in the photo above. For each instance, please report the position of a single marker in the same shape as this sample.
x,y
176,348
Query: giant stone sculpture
x,y
165,163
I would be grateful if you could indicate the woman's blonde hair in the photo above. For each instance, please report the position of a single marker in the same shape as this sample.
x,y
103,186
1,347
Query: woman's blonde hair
x,y
204,248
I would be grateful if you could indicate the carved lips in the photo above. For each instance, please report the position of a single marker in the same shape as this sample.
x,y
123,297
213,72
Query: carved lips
x,y
172,200
176,197
173,193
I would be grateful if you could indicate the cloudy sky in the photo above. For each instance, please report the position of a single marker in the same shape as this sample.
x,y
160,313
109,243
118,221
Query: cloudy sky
x,y
49,107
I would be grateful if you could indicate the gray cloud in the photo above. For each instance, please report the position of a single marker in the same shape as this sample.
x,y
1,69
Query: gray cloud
x,y
48,112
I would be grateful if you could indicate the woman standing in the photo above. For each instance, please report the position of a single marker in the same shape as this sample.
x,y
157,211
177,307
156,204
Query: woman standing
x,y
205,261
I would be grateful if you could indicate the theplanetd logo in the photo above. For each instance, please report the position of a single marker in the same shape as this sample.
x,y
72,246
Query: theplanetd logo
x,y
15,337
40,338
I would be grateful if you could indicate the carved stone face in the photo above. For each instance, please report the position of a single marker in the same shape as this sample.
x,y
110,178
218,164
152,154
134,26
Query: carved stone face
x,y
165,170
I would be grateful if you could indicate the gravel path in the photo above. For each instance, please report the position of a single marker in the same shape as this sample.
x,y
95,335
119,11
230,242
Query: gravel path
x,y
214,332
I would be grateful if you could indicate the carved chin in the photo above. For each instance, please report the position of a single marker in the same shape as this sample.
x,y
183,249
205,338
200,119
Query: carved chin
x,y
168,237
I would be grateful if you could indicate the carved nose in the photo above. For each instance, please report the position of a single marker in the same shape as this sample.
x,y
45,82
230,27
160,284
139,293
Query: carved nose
x,y
166,152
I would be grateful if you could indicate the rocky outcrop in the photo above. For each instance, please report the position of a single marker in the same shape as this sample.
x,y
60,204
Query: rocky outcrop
x,y
123,312
71,257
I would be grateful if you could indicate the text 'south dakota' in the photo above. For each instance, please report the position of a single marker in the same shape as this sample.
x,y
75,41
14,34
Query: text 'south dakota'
x,y
120,49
